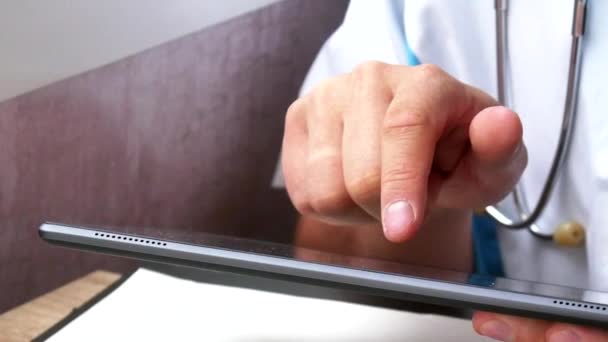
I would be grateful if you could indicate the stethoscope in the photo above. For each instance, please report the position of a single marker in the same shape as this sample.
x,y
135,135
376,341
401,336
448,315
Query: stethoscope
x,y
569,233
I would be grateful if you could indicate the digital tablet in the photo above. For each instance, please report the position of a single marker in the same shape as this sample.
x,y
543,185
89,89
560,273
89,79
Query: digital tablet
x,y
370,276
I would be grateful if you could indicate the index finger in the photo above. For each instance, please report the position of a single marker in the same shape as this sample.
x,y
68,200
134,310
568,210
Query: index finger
x,y
412,126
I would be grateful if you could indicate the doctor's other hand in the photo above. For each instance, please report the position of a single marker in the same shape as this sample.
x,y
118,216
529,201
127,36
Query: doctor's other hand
x,y
510,328
387,143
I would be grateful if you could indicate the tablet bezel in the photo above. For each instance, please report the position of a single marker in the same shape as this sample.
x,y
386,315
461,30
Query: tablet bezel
x,y
368,282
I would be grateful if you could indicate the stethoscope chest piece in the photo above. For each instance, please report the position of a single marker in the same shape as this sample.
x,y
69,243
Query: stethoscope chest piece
x,y
570,234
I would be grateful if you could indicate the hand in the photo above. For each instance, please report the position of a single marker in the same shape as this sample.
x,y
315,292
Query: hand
x,y
509,328
387,143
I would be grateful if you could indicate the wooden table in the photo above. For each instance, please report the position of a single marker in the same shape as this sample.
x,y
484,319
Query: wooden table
x,y
33,318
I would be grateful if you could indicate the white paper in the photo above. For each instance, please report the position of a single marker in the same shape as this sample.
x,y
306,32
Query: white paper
x,y
152,306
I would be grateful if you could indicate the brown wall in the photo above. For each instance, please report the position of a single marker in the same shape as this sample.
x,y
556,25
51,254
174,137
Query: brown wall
x,y
181,137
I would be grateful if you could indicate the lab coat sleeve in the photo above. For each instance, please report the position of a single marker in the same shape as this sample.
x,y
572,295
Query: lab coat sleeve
x,y
371,30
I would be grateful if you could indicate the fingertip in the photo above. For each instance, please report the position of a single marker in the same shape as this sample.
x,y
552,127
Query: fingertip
x,y
564,336
496,134
399,221
479,318
493,326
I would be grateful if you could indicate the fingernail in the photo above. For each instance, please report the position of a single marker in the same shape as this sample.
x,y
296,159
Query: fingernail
x,y
397,217
564,336
497,330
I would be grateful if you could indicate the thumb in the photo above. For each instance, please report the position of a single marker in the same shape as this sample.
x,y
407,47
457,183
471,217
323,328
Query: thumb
x,y
493,164
498,154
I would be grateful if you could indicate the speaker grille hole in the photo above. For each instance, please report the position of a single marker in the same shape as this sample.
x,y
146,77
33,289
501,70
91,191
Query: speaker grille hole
x,y
580,305
126,238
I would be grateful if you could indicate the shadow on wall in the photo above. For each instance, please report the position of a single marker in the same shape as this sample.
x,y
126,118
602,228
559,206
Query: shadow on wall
x,y
184,136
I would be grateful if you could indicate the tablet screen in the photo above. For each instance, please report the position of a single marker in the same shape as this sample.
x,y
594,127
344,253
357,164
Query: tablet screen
x,y
287,251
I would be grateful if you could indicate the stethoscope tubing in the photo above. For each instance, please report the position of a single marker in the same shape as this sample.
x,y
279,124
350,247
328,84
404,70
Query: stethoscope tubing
x,y
526,217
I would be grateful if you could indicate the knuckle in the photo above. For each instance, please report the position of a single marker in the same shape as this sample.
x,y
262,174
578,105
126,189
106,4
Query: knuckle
x,y
327,96
369,69
301,204
295,113
398,123
429,72
331,203
367,74
365,189
396,178
324,87
445,89
296,106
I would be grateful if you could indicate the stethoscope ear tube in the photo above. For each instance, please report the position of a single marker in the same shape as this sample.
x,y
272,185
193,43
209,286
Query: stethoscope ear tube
x,y
526,217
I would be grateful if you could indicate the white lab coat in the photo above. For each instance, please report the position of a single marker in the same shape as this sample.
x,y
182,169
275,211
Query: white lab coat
x,y
459,36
